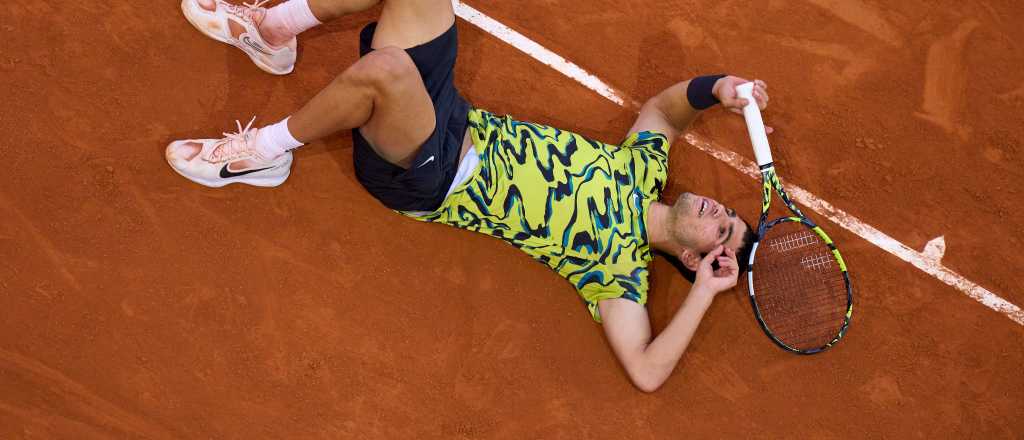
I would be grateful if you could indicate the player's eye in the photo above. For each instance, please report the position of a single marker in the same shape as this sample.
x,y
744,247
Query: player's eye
x,y
721,232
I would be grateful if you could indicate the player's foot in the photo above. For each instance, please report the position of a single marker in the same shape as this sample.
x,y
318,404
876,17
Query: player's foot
x,y
232,159
239,26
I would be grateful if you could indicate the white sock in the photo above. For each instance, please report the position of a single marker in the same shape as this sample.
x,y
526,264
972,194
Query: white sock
x,y
275,139
293,16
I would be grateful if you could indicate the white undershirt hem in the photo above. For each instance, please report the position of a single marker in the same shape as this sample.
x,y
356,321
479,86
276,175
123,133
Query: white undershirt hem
x,y
466,167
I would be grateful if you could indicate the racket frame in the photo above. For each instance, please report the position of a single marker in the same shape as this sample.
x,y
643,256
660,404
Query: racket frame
x,y
770,183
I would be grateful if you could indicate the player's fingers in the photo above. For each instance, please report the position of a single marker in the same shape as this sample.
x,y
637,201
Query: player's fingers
x,y
762,99
737,80
760,83
733,268
711,256
727,263
762,93
762,102
725,272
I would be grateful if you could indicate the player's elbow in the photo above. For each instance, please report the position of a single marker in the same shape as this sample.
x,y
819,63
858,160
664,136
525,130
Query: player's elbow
x,y
648,384
646,380
658,104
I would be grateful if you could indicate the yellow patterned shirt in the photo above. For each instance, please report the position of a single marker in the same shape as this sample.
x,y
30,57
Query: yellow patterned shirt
x,y
576,205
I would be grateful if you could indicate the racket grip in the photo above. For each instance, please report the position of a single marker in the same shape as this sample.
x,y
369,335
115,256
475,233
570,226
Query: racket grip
x,y
755,125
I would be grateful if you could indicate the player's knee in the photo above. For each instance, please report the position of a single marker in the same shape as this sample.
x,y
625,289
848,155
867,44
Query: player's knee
x,y
383,67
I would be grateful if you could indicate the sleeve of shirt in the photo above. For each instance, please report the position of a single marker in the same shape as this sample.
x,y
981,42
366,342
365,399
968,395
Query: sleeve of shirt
x,y
601,284
651,141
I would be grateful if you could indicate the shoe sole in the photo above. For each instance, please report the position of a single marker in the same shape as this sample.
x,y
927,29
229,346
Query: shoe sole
x,y
265,182
260,182
256,60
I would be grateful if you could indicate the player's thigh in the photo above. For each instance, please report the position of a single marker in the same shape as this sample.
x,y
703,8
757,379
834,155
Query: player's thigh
x,y
409,23
403,114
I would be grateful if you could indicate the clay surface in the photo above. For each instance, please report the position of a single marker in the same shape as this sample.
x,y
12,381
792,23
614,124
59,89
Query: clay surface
x,y
135,304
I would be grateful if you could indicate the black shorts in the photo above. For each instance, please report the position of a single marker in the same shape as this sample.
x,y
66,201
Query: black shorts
x,y
423,186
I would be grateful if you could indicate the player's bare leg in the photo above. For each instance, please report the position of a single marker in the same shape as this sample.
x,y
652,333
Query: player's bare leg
x,y
382,90
382,94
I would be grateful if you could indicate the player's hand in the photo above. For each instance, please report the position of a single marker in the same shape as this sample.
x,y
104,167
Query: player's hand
x,y
725,90
714,281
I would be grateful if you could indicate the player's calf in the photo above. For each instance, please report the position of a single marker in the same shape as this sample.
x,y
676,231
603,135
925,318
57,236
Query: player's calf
x,y
383,95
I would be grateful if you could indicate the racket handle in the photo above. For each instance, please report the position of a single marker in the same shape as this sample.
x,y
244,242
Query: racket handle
x,y
755,125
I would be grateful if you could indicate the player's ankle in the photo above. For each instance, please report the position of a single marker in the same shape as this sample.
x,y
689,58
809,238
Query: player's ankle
x,y
274,37
274,140
286,20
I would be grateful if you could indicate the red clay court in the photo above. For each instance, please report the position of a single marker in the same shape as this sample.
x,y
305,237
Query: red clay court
x,y
136,304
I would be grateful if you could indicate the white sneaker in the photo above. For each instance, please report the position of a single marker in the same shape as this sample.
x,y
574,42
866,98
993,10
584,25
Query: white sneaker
x,y
232,159
238,26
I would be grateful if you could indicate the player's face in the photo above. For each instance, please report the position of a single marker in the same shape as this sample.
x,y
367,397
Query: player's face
x,y
701,223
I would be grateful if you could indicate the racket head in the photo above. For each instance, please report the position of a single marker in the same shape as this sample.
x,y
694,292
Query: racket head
x,y
799,287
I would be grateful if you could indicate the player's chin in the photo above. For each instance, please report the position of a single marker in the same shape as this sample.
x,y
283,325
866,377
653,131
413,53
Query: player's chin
x,y
685,206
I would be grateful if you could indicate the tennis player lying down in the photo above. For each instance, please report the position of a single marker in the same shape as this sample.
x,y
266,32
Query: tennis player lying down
x,y
588,210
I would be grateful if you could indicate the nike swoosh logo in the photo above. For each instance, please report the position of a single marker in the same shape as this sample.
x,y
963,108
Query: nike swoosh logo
x,y
426,162
248,41
225,173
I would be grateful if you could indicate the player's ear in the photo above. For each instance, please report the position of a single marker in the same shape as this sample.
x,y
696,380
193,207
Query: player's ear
x,y
689,258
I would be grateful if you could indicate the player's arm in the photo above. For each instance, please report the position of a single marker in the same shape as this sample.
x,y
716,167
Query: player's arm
x,y
649,362
672,110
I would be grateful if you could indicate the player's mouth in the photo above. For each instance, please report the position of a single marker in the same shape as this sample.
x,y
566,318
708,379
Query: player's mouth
x,y
707,206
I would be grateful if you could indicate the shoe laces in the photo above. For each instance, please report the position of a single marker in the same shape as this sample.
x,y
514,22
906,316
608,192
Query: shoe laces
x,y
234,145
247,11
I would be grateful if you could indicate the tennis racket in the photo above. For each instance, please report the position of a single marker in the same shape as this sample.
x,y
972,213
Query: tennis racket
x,y
798,284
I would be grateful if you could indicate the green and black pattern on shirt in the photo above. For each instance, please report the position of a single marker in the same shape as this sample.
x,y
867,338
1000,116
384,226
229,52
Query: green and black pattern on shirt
x,y
577,205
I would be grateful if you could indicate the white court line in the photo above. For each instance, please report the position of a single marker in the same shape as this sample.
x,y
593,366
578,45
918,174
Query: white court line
x,y
836,215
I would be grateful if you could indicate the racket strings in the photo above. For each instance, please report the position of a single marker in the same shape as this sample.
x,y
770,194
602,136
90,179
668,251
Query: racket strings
x,y
799,287
791,242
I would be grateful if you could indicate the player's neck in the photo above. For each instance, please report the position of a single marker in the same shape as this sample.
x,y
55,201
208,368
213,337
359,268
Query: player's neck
x,y
658,224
